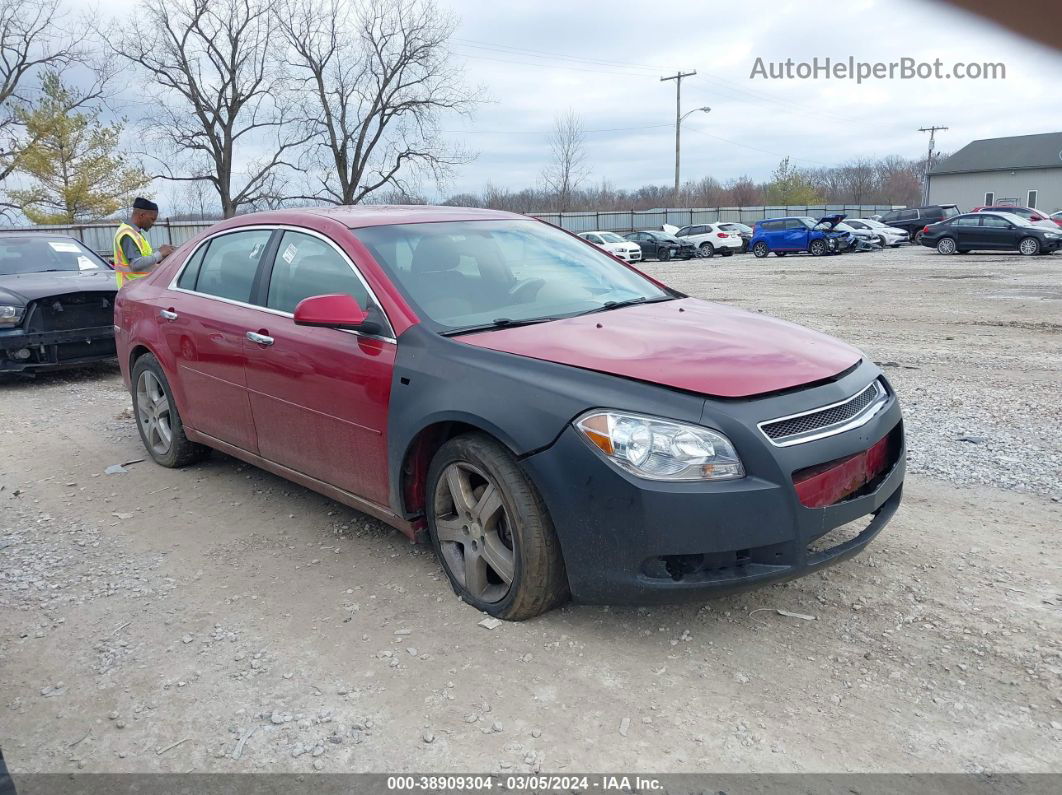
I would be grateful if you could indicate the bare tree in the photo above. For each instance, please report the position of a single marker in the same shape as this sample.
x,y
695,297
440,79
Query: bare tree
x,y
32,43
375,76
220,80
567,168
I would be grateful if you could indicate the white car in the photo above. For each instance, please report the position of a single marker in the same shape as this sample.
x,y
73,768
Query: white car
x,y
615,245
886,235
711,239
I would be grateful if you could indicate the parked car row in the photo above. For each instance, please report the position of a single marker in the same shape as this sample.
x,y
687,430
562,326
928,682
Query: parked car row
x,y
991,231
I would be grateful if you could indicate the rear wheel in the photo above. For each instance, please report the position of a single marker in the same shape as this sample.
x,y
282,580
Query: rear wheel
x,y
707,250
918,236
761,250
492,532
157,418
946,245
1029,246
817,248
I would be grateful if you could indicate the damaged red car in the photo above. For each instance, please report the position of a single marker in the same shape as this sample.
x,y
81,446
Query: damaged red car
x,y
556,423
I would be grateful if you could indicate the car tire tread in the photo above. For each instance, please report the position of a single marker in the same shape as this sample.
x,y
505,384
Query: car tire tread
x,y
182,451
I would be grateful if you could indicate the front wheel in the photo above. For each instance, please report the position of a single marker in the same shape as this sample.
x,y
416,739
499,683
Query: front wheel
x,y
663,254
760,250
946,245
817,248
157,419
492,532
1029,246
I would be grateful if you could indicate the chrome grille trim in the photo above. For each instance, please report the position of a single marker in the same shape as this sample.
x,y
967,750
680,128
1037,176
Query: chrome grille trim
x,y
829,420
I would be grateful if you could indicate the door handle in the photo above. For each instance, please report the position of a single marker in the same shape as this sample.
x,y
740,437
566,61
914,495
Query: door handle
x,y
261,339
167,314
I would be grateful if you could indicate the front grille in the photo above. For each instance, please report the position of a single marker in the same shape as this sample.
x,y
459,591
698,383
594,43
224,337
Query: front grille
x,y
71,312
791,430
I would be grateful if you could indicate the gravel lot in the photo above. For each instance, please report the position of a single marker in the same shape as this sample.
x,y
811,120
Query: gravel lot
x,y
219,619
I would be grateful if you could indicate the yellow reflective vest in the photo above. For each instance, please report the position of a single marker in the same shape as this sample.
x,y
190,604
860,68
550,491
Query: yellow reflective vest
x,y
122,269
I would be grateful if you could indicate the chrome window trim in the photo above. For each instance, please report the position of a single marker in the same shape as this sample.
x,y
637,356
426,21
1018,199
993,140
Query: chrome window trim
x,y
284,227
872,410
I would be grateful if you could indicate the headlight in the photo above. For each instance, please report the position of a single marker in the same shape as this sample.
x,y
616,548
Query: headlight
x,y
1050,234
659,449
10,315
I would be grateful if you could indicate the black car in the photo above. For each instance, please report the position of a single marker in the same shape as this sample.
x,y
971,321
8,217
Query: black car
x,y
56,303
990,231
662,245
914,219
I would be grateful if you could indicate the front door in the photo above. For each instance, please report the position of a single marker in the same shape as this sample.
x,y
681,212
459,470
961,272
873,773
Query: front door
x,y
203,324
319,396
998,233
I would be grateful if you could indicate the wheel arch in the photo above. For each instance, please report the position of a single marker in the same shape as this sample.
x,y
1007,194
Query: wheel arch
x,y
412,473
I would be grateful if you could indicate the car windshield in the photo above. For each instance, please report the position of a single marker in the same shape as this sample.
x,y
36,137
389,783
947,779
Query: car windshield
x,y
949,210
873,224
611,237
479,274
41,254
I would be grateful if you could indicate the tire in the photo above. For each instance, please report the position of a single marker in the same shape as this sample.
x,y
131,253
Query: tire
x,y
518,531
761,250
881,241
918,236
964,251
946,245
663,254
707,250
780,253
156,416
728,252
1029,246
817,248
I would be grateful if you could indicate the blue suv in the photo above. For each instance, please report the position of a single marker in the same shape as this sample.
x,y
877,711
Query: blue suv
x,y
799,233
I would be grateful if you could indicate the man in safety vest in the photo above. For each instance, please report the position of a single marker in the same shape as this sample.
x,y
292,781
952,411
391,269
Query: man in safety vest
x,y
133,256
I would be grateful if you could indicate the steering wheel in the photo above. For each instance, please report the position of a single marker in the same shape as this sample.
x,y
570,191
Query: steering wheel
x,y
525,289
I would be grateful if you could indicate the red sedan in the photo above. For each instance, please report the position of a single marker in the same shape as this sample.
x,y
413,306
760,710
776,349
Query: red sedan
x,y
554,421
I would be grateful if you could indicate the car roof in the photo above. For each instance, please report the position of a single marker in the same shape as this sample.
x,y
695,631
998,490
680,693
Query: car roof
x,y
362,215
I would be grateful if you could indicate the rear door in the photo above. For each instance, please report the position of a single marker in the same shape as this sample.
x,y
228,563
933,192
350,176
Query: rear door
x,y
204,327
319,396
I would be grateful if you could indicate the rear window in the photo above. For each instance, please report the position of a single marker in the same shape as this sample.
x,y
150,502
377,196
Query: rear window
x,y
41,254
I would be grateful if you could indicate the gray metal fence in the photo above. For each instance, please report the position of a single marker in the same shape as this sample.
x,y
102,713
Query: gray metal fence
x,y
99,237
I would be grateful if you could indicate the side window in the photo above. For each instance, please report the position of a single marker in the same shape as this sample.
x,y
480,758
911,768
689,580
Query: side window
x,y
907,215
593,238
306,265
967,220
794,223
191,270
229,265
994,222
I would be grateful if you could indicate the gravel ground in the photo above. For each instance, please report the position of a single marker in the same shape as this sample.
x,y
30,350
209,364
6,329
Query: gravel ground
x,y
219,619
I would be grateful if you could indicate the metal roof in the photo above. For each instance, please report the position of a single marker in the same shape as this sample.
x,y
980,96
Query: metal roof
x,y
1004,154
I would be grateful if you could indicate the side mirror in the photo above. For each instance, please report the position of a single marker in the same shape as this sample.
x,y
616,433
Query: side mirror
x,y
339,311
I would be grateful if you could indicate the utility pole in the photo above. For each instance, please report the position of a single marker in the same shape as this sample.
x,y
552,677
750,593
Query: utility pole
x,y
677,77
929,158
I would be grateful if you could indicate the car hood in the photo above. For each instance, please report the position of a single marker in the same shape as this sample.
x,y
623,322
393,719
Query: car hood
x,y
688,344
832,220
21,288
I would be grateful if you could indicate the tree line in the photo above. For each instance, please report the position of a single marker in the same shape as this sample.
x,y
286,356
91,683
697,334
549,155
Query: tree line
x,y
257,104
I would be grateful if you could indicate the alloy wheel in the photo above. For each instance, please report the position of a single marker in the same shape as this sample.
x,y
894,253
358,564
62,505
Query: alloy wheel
x,y
1030,246
946,245
153,411
474,531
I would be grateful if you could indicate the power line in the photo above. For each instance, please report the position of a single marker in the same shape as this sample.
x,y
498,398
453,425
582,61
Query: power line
x,y
539,132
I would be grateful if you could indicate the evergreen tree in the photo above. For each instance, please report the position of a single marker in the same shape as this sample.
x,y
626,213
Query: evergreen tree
x,y
77,173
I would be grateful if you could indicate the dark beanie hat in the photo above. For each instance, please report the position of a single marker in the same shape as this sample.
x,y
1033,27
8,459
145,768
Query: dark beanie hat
x,y
144,204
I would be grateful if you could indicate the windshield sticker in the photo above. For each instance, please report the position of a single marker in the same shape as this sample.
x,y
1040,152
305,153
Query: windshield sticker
x,y
289,253
64,248
85,264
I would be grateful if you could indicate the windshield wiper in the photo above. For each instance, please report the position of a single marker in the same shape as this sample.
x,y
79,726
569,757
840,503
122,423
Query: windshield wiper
x,y
641,299
498,322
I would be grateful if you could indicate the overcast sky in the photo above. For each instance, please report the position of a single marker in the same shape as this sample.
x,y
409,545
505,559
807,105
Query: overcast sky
x,y
537,58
